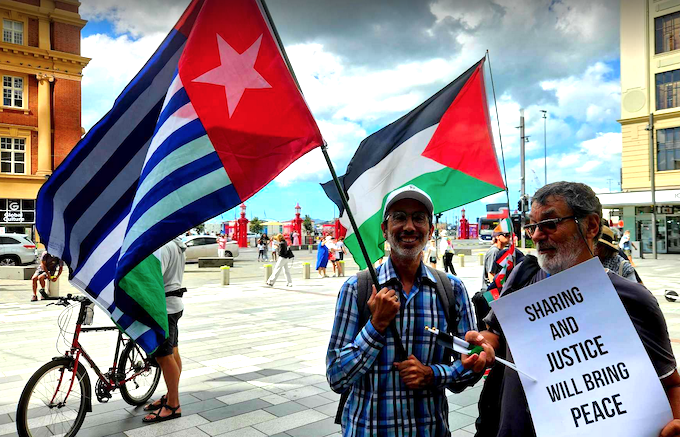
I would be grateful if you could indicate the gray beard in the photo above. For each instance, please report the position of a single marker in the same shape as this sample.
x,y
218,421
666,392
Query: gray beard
x,y
564,258
402,253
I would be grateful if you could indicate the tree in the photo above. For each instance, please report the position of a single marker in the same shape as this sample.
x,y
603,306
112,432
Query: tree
x,y
255,225
307,224
200,229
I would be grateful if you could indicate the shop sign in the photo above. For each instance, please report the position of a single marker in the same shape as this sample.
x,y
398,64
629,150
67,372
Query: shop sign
x,y
17,211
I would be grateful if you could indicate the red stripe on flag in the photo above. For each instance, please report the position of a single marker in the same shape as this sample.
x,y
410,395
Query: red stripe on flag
x,y
186,21
463,140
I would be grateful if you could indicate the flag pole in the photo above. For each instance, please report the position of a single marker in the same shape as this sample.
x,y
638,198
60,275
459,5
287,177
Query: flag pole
x,y
500,138
345,205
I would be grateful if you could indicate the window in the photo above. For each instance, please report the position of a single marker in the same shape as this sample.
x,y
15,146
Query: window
x,y
12,155
8,240
668,149
13,91
667,89
667,33
12,32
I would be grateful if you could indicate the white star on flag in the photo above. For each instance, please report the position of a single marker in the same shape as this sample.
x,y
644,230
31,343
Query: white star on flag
x,y
236,72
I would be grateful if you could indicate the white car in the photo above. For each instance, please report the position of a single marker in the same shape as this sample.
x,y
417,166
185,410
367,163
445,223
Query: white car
x,y
205,246
17,249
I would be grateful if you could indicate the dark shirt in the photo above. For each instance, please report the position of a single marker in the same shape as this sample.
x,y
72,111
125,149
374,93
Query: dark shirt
x,y
647,318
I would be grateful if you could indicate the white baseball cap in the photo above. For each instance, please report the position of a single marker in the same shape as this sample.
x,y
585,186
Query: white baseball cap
x,y
408,192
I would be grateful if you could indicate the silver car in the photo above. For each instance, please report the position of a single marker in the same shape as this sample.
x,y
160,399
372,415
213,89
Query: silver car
x,y
17,249
205,246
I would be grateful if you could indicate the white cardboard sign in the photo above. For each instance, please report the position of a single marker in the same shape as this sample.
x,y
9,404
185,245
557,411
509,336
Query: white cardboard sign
x,y
594,377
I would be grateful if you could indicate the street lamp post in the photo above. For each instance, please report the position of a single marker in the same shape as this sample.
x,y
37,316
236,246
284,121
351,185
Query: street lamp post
x,y
545,145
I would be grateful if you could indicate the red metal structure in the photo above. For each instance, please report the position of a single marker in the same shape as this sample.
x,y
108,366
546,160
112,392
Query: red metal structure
x,y
242,228
464,228
340,230
296,234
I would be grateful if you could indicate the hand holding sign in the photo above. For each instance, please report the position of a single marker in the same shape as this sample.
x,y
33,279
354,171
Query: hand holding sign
x,y
572,332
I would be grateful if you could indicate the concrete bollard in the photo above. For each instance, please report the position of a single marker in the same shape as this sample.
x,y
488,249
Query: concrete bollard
x,y
306,269
309,248
461,258
481,259
52,288
225,275
341,269
267,272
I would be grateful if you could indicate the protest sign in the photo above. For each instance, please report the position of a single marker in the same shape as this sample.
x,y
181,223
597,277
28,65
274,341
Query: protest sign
x,y
572,333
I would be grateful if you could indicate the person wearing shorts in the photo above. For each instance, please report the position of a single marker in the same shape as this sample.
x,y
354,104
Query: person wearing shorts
x,y
167,407
47,267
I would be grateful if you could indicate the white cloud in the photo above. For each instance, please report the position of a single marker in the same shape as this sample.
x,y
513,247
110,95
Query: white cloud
x,y
139,18
115,61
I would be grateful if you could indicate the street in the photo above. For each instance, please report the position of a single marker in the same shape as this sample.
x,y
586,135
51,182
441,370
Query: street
x,y
253,356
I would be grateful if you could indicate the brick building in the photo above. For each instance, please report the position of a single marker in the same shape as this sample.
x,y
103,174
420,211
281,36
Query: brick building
x,y
40,112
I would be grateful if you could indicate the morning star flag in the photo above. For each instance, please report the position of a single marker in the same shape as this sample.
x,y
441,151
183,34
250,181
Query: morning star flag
x,y
444,147
507,261
212,118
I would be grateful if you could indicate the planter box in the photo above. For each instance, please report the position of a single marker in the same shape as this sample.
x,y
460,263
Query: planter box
x,y
215,262
17,272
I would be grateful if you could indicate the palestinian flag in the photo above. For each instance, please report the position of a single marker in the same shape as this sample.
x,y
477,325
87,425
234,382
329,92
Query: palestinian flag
x,y
444,147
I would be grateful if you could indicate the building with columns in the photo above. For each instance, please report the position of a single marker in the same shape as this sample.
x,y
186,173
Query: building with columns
x,y
650,123
40,114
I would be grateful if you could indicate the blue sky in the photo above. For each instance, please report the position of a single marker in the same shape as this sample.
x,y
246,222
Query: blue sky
x,y
364,64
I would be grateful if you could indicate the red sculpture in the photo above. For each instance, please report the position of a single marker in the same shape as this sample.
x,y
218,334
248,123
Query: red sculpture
x,y
242,228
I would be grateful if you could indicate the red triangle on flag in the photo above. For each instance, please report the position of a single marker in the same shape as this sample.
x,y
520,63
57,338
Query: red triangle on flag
x,y
463,140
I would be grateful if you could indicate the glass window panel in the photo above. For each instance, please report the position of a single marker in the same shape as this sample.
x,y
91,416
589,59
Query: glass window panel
x,y
661,161
5,156
18,25
27,204
19,145
19,168
29,217
658,23
661,135
19,157
18,38
5,167
18,82
7,36
658,79
8,23
7,101
18,103
3,204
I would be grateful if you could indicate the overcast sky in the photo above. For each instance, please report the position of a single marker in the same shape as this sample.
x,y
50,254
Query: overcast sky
x,y
364,63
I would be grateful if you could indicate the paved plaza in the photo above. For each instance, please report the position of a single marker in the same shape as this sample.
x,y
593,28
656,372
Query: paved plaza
x,y
253,356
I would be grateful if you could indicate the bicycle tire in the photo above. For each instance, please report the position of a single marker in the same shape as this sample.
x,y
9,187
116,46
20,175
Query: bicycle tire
x,y
27,395
137,354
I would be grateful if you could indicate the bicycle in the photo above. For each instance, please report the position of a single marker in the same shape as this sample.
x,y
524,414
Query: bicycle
x,y
59,394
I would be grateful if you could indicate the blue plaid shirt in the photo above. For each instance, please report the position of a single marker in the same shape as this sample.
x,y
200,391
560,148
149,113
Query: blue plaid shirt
x,y
361,359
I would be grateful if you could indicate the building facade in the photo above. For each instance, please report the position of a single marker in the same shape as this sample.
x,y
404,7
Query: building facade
x,y
650,84
40,115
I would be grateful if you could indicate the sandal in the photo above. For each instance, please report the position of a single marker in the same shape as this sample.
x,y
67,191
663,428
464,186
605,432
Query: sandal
x,y
157,415
34,298
43,294
152,407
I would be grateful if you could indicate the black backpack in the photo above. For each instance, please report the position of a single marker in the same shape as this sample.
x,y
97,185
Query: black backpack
x,y
364,290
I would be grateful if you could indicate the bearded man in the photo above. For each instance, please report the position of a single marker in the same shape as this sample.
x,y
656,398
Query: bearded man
x,y
388,395
565,227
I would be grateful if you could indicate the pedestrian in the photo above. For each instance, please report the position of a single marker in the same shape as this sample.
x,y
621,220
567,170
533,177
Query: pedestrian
x,y
265,246
500,240
388,393
608,252
626,244
275,248
260,250
430,254
47,267
285,256
446,248
565,226
332,255
341,248
173,259
221,245
322,253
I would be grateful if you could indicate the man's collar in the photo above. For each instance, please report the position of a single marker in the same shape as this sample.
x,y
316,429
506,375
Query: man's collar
x,y
387,273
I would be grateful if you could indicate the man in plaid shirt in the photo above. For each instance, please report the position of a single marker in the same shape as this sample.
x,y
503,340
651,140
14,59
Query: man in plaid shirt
x,y
406,398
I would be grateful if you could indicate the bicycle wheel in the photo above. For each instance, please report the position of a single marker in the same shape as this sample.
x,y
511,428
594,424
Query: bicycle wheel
x,y
143,374
50,404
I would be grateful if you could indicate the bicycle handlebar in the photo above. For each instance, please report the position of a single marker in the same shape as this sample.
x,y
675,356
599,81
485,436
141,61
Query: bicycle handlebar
x,y
64,300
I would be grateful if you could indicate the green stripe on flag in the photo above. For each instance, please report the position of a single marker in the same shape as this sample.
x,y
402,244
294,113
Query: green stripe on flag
x,y
144,284
448,189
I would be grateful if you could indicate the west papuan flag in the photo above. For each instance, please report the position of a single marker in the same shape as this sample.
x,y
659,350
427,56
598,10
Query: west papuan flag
x,y
444,147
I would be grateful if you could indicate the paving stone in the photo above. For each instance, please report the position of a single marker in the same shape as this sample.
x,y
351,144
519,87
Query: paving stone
x,y
165,428
4,418
286,408
457,420
270,372
274,399
317,429
244,432
314,401
236,422
289,422
301,392
226,411
328,409
470,410
243,396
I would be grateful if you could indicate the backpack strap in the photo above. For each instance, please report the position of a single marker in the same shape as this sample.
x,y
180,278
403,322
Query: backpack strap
x,y
364,290
446,296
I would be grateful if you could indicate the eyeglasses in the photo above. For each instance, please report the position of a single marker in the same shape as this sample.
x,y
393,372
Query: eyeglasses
x,y
400,218
546,226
